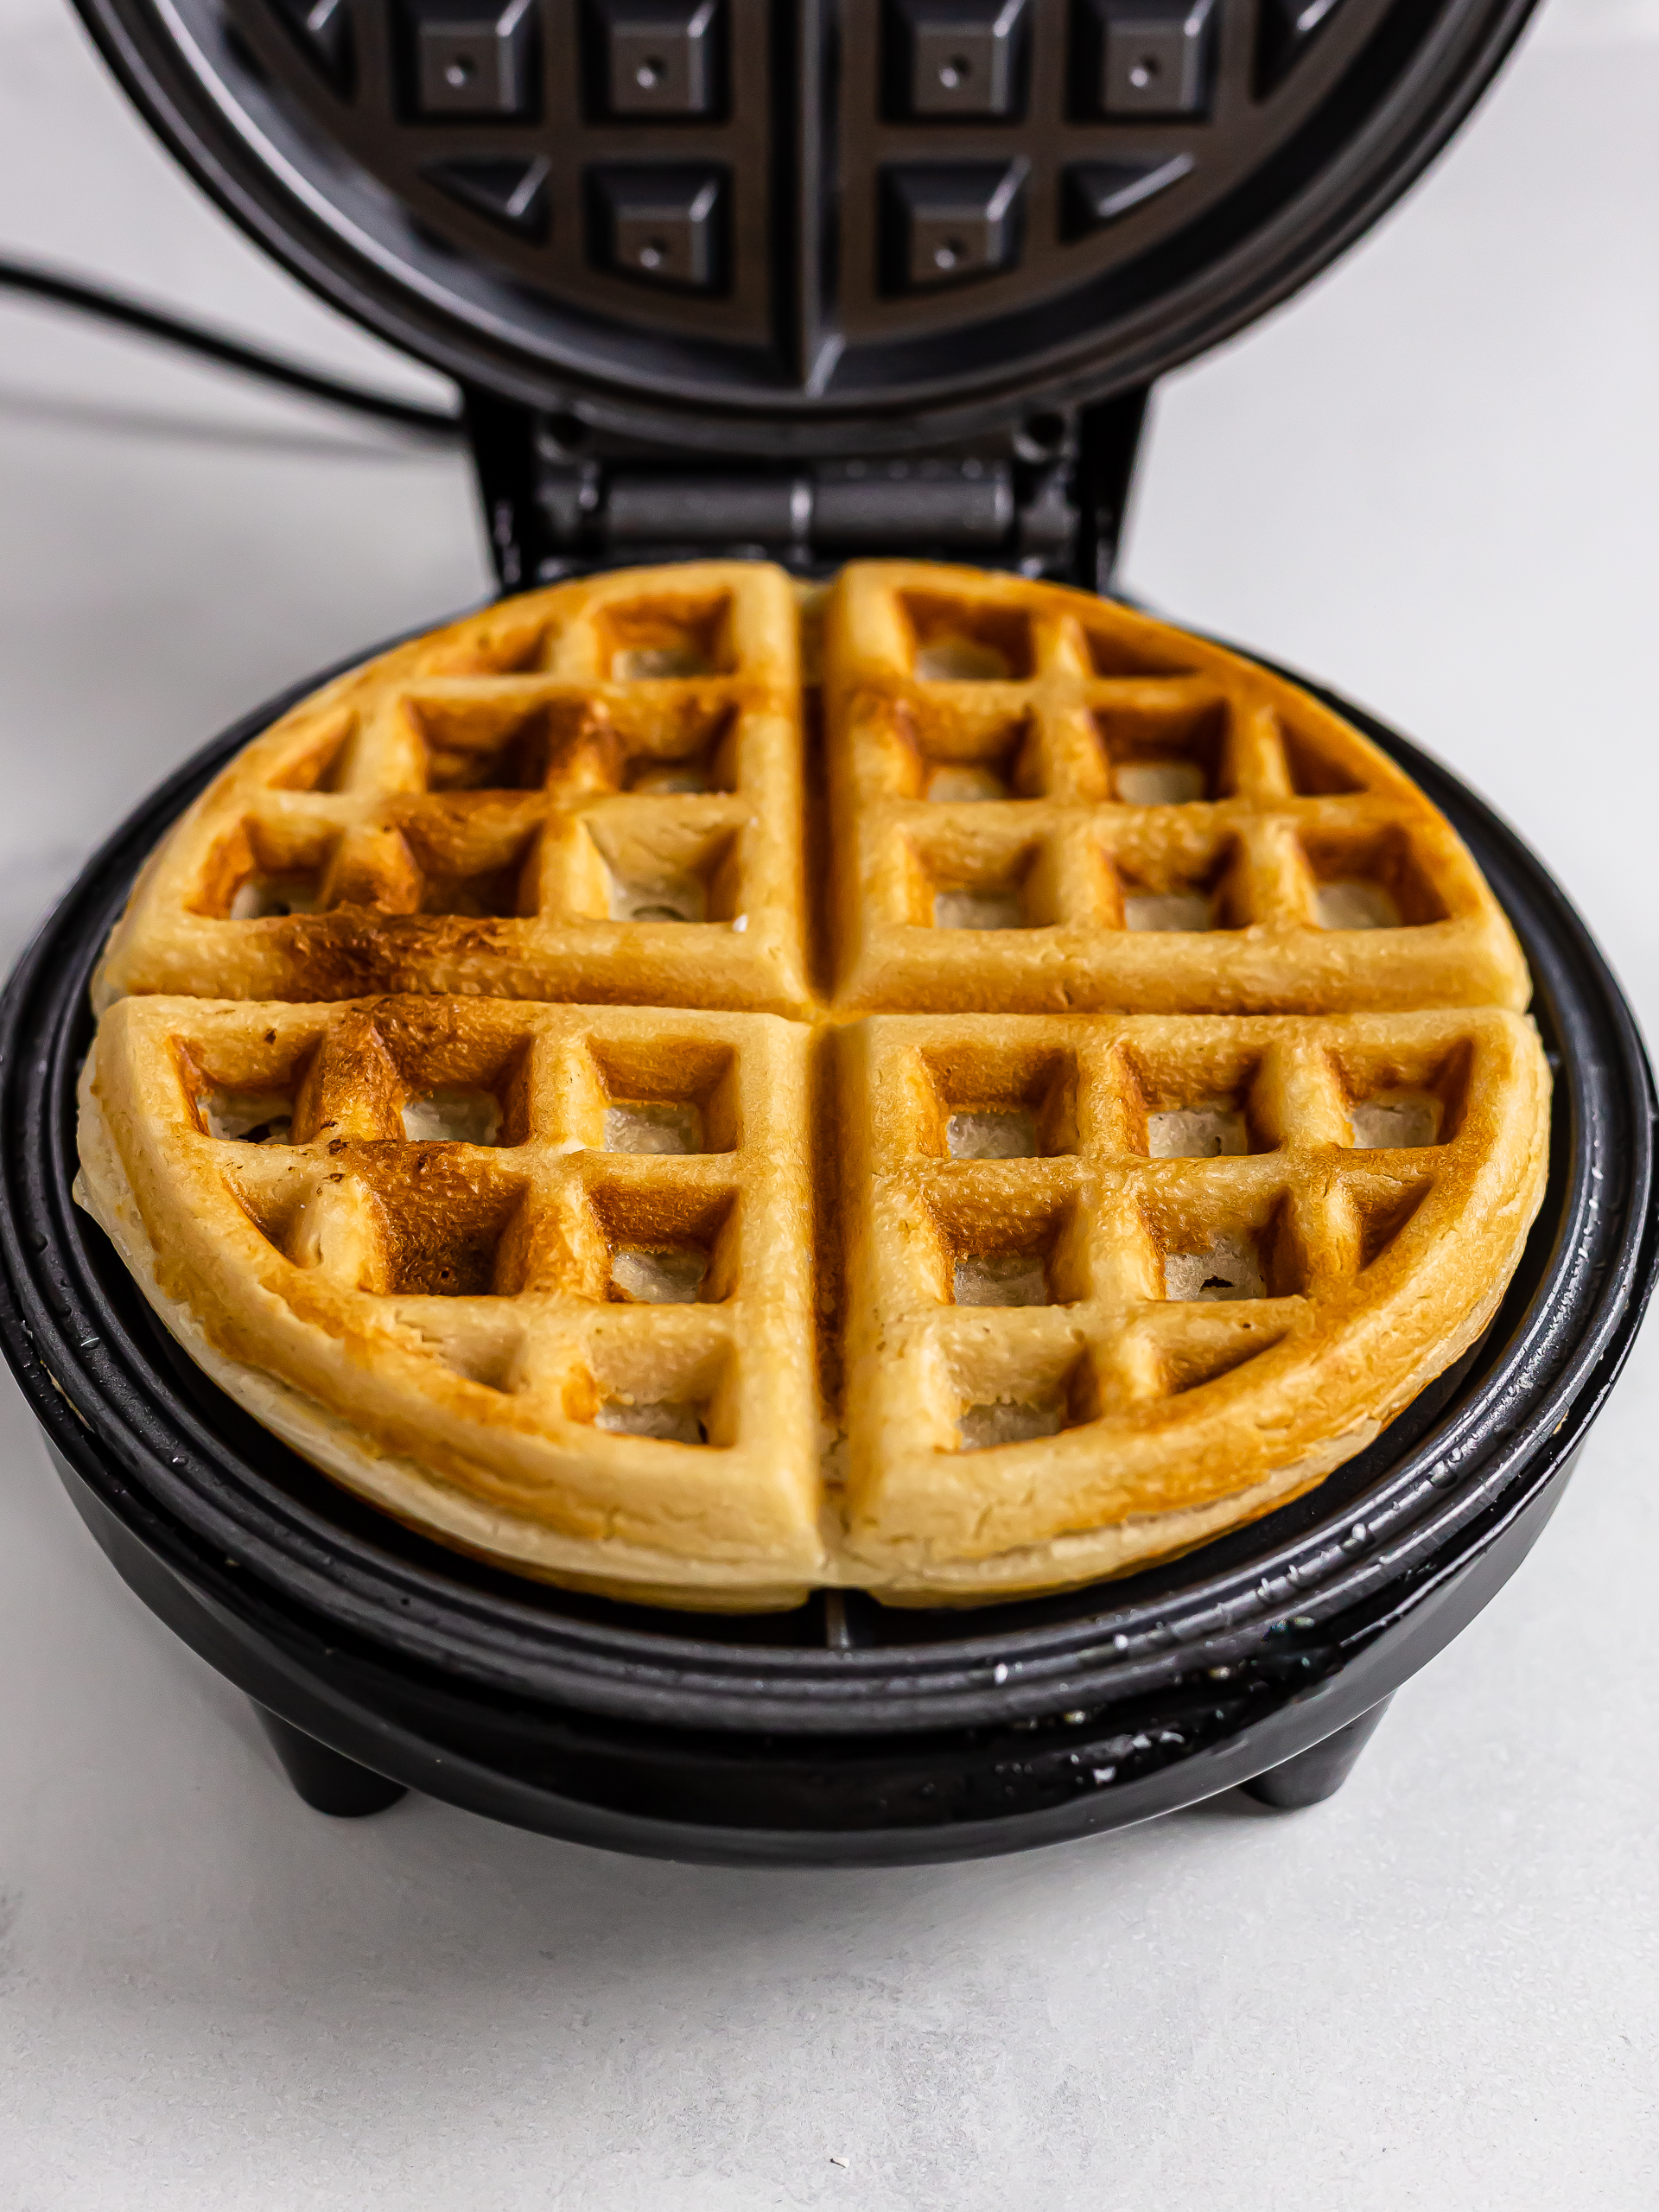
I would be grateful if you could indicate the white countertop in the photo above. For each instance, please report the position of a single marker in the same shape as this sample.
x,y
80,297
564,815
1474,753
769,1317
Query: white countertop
x,y
1432,480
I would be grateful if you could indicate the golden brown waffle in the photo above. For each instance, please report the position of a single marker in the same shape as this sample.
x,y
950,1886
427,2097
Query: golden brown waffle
x,y
499,1338
595,792
602,1364
1045,803
951,1283
592,792
1115,1284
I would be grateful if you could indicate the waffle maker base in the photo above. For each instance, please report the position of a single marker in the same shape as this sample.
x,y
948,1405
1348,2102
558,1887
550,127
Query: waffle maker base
x,y
843,1733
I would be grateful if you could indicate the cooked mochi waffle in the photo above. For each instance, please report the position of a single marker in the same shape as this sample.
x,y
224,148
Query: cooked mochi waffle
x,y
955,1276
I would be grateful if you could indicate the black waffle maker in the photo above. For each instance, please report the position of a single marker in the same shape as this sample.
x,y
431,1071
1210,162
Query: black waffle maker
x,y
808,279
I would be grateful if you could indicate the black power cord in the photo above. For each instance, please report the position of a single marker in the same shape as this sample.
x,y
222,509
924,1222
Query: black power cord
x,y
233,353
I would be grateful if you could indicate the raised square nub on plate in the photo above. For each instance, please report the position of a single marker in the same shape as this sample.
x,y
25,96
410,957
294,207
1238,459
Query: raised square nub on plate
x,y
950,222
1095,194
323,31
510,191
661,224
957,57
1287,28
473,57
658,57
1144,57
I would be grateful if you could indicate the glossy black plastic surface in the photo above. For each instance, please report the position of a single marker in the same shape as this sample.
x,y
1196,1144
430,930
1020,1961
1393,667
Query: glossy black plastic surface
x,y
845,1731
804,227
1319,1772
328,1782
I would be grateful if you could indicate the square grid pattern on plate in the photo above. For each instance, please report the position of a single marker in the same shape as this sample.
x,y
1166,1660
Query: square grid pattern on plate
x,y
1043,805
588,1226
810,188
1069,1225
596,793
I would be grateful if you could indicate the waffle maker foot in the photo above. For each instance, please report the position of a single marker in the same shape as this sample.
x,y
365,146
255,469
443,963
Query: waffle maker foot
x,y
327,1781
1319,1772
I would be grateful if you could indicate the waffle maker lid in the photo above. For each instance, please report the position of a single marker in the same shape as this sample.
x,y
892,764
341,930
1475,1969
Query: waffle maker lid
x,y
808,277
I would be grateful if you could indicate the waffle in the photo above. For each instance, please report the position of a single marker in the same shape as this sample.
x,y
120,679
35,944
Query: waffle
x,y
1118,1283
938,1232
1046,803
592,792
567,1316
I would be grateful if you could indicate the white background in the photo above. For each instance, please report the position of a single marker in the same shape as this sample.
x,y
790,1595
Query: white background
x,y
1433,480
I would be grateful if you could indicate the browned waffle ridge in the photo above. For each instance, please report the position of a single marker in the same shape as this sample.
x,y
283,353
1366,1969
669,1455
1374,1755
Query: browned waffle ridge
x,y
1017,1256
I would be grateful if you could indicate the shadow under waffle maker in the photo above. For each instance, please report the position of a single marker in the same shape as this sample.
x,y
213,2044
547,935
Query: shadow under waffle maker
x,y
845,1731
812,280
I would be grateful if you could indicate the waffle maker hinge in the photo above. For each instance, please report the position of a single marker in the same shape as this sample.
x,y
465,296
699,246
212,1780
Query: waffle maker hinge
x,y
1046,498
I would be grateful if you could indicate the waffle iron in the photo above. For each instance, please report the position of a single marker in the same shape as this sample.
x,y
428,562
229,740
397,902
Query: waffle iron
x,y
805,280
